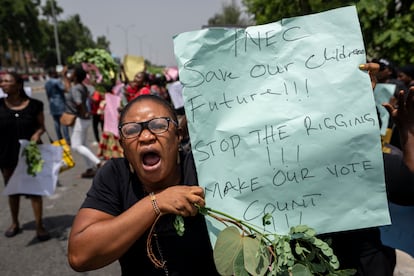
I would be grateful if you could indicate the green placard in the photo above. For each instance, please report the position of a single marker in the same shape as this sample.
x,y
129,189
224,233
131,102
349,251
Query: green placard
x,y
383,92
282,121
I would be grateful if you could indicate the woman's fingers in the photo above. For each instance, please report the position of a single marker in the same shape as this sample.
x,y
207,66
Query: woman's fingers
x,y
370,66
373,69
182,200
389,108
190,205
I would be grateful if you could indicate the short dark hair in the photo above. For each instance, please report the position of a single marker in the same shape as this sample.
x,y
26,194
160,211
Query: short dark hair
x,y
51,71
20,82
386,63
148,97
80,74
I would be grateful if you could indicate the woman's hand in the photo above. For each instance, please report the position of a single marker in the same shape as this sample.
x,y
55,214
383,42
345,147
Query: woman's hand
x,y
35,137
403,117
372,68
180,200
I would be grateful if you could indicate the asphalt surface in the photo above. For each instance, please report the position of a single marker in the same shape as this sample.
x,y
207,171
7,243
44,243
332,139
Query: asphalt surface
x,y
24,254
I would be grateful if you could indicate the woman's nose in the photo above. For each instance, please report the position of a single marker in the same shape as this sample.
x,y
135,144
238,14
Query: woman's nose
x,y
146,135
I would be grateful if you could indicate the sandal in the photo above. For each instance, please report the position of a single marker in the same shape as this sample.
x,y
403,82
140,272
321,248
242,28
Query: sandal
x,y
89,173
43,235
12,231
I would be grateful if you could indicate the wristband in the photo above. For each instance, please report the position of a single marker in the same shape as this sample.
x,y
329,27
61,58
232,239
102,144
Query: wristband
x,y
154,204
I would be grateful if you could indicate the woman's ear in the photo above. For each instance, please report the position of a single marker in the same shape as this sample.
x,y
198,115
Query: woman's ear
x,y
179,133
121,143
182,127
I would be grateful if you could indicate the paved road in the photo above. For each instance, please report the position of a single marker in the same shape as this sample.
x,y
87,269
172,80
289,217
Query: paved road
x,y
23,254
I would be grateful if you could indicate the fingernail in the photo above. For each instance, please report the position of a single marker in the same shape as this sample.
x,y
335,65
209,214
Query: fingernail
x,y
362,66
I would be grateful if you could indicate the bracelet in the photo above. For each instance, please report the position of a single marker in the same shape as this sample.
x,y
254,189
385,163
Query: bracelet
x,y
154,204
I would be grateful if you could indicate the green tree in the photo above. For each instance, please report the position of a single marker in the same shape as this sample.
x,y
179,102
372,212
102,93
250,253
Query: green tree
x,y
270,11
102,43
231,16
28,24
47,54
47,10
387,25
19,23
388,28
74,36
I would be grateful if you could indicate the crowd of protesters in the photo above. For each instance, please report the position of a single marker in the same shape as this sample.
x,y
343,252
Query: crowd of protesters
x,y
161,115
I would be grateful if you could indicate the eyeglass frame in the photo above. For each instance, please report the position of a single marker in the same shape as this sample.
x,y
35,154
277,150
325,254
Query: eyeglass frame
x,y
144,125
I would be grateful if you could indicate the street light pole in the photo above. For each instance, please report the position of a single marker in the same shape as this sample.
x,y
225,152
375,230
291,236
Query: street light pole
x,y
55,30
125,29
141,49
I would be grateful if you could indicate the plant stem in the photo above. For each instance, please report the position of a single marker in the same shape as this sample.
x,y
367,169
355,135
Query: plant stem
x,y
251,228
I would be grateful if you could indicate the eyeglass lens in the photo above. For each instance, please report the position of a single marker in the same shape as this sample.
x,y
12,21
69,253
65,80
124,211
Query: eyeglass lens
x,y
156,126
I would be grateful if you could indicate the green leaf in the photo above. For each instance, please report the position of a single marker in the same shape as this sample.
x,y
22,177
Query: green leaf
x,y
34,159
298,249
318,267
300,270
327,251
228,245
299,229
100,57
298,253
179,225
310,232
266,220
256,261
238,265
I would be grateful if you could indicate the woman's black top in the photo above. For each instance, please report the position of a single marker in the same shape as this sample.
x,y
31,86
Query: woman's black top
x,y
115,189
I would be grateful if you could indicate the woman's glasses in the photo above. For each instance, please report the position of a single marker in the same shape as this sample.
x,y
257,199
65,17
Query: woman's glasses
x,y
155,125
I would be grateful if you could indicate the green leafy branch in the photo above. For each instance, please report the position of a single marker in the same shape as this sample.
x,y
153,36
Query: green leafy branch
x,y
241,249
34,159
101,58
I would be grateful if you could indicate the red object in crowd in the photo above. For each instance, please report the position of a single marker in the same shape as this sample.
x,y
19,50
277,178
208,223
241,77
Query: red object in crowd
x,y
133,92
96,99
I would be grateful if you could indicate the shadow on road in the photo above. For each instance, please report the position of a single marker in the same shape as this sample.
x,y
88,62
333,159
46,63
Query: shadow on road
x,y
58,227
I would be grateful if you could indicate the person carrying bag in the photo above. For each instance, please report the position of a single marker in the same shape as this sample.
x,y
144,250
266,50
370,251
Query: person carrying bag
x,y
67,160
78,102
67,119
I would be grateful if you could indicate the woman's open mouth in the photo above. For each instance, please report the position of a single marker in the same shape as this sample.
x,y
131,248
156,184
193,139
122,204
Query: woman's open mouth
x,y
151,160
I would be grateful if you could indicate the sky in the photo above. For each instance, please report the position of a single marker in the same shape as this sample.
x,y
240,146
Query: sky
x,y
147,25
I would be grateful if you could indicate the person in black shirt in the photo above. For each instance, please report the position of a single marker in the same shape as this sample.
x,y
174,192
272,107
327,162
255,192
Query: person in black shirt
x,y
149,187
21,117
